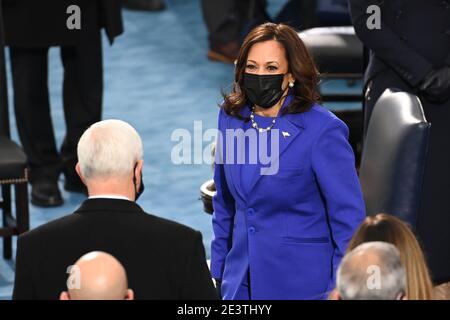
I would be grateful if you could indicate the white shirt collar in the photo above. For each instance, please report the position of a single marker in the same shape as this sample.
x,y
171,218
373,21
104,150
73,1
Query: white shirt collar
x,y
109,196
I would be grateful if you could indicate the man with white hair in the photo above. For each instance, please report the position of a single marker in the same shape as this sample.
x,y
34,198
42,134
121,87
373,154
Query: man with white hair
x,y
371,271
163,259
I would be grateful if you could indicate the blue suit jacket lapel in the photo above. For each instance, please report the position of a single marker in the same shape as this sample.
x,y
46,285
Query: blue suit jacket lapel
x,y
233,169
290,123
293,126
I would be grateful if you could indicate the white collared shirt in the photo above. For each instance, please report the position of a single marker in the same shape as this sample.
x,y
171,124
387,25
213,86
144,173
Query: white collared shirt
x,y
109,196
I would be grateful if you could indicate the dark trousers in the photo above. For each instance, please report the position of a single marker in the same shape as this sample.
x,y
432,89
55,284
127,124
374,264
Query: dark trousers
x,y
228,20
299,14
433,224
82,99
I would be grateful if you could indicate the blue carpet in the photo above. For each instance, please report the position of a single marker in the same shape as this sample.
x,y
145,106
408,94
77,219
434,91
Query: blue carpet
x,y
158,79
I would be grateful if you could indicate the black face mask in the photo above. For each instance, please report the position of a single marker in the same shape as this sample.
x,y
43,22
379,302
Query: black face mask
x,y
263,90
141,187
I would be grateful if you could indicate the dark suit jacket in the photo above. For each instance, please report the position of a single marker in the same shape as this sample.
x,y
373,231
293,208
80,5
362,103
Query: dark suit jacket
x,y
414,36
163,259
37,23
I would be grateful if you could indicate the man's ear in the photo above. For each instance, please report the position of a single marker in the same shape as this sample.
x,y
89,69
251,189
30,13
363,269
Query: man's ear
x,y
130,295
138,172
64,296
78,170
402,296
334,295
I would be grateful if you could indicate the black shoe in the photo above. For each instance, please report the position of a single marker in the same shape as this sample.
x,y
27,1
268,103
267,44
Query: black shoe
x,y
75,185
144,5
45,193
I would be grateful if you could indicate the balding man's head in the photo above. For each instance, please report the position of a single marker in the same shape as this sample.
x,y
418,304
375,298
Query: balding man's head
x,y
101,277
371,271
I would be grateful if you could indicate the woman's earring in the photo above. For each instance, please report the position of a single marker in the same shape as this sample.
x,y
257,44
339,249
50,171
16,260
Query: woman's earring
x,y
291,84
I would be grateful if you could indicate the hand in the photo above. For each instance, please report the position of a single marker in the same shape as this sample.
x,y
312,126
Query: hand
x,y
436,85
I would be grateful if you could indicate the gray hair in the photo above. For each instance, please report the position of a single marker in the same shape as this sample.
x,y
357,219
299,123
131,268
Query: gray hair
x,y
371,271
109,148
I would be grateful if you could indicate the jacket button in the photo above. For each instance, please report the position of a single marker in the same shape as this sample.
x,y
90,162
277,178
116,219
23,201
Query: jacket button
x,y
251,230
399,14
250,211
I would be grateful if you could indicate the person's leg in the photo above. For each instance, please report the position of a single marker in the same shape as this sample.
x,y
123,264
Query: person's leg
x,y
251,13
292,14
34,124
218,17
222,21
82,97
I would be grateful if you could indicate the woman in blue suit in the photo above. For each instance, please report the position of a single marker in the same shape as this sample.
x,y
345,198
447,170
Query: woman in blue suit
x,y
288,198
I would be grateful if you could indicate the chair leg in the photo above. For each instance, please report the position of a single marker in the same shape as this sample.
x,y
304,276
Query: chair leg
x,y
22,211
7,241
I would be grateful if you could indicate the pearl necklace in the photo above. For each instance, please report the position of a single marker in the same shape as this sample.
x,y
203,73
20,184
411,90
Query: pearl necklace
x,y
255,125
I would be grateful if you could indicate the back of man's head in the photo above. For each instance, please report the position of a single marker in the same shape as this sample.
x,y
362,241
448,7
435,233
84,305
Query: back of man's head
x,y
109,148
99,276
371,271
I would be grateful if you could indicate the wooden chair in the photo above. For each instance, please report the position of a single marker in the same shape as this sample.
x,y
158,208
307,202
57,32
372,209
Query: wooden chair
x,y
13,168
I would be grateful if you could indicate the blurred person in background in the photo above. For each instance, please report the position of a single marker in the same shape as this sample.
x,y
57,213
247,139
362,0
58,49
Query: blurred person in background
x,y
371,271
387,228
306,14
410,51
97,276
31,28
227,22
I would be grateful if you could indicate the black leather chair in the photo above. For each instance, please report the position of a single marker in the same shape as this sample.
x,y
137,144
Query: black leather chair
x,y
13,169
339,54
207,192
394,156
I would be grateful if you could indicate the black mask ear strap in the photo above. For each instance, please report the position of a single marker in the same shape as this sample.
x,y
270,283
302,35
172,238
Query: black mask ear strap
x,y
137,191
134,178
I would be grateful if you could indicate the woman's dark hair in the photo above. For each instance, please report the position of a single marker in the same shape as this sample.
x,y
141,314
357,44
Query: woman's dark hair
x,y
301,66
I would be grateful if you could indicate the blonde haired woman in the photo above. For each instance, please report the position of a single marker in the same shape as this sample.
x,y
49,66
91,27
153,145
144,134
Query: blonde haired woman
x,y
387,228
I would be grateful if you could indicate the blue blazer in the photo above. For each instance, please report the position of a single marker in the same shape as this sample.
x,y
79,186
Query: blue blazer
x,y
293,228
